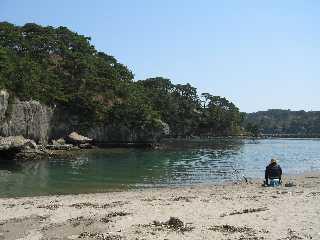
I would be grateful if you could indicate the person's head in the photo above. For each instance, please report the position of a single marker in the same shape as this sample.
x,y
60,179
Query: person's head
x,y
273,161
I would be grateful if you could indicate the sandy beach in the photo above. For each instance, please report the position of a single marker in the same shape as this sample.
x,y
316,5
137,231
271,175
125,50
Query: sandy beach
x,y
228,211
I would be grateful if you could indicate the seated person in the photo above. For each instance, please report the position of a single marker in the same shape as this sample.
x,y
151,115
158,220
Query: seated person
x,y
273,172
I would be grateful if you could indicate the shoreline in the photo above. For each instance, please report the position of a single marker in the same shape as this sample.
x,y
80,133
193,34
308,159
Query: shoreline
x,y
45,152
226,183
219,211
157,187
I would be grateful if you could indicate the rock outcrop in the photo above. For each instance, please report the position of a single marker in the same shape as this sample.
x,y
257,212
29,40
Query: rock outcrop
x,y
60,147
16,143
19,148
77,139
4,100
26,118
38,122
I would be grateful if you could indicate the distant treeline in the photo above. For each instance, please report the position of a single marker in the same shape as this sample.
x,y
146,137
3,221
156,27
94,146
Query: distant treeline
x,y
276,121
61,68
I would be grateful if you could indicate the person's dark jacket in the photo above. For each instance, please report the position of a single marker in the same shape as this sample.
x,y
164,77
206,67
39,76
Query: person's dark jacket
x,y
273,171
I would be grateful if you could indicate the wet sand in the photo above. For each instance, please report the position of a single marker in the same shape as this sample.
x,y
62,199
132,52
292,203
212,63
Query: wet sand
x,y
229,211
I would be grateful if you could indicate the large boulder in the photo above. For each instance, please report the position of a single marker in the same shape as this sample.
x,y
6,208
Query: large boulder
x,y
16,143
19,148
76,138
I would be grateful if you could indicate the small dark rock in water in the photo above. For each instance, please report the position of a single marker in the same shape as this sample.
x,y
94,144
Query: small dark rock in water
x,y
290,184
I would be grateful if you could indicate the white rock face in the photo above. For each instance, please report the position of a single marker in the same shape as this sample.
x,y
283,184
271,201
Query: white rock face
x,y
29,119
4,98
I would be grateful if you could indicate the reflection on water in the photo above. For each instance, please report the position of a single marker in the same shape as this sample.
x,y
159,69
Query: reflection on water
x,y
182,164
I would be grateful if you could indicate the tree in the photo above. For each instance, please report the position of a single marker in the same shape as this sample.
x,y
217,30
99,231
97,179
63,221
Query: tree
x,y
61,68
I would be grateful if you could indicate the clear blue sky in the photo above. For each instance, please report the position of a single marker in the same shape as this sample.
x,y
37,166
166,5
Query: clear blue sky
x,y
259,54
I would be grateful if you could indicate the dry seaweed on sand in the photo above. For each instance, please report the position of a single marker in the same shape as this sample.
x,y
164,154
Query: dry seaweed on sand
x,y
100,236
249,210
50,206
94,205
231,229
290,184
183,198
79,220
313,194
174,224
151,199
247,233
246,237
292,235
116,214
114,204
9,205
109,216
28,202
84,204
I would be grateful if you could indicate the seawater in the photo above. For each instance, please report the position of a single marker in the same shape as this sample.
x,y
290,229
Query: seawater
x,y
182,163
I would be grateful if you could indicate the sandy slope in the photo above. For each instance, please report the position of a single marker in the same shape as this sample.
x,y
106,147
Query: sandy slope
x,y
230,211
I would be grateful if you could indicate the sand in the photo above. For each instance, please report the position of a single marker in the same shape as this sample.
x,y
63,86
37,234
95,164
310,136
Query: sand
x,y
228,211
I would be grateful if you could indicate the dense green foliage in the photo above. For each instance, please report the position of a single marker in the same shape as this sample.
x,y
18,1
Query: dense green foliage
x,y
61,68
187,113
276,121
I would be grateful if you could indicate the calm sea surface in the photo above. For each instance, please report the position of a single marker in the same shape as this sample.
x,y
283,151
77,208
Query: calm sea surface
x,y
182,164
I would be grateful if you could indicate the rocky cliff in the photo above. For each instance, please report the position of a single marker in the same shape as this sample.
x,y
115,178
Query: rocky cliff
x,y
26,118
4,100
36,121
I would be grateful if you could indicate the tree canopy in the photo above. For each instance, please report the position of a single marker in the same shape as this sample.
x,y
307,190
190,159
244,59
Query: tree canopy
x,y
187,113
61,68
277,121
